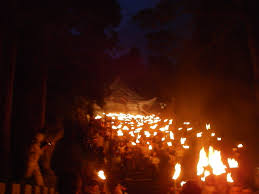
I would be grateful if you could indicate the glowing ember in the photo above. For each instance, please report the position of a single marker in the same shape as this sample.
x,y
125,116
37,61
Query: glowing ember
x,y
186,123
98,117
101,175
169,144
180,128
232,163
155,133
150,147
219,138
213,134
177,171
189,129
229,178
163,139
133,143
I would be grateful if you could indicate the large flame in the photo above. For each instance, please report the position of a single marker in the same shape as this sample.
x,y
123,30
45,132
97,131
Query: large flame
x,y
213,160
203,162
177,171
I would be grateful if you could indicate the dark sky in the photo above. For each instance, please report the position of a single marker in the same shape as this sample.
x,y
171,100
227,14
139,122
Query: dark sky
x,y
131,35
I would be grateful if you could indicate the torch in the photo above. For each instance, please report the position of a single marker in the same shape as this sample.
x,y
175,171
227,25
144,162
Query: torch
x,y
177,171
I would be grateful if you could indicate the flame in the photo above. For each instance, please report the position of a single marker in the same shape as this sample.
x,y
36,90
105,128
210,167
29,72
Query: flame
x,y
177,171
120,133
232,163
171,135
183,139
98,117
130,126
182,183
216,162
208,126
125,128
203,162
240,145
186,146
199,134
206,173
133,143
229,178
101,174
147,134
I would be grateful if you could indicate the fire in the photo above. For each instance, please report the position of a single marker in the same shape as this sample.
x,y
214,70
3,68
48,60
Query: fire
x,y
229,178
203,162
98,117
177,171
199,134
171,135
213,160
240,145
131,127
182,183
183,139
119,133
208,126
232,163
101,174
206,173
